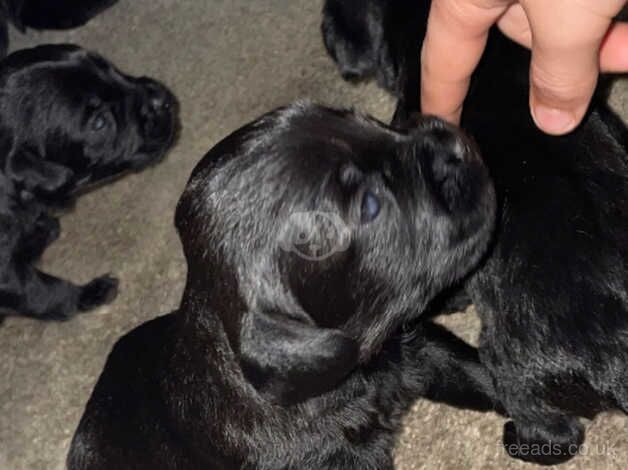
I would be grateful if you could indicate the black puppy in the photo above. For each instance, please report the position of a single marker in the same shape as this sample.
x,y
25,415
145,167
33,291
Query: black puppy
x,y
46,14
310,235
68,118
553,295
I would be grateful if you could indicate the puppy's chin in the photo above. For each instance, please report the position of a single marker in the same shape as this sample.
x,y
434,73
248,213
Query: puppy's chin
x,y
99,177
150,155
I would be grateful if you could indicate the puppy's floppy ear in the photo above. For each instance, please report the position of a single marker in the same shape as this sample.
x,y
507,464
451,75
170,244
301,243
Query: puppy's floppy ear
x,y
35,174
288,361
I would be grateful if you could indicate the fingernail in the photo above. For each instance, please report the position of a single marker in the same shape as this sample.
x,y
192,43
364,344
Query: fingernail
x,y
553,121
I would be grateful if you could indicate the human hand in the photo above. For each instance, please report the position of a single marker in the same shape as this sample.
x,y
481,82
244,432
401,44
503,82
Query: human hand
x,y
571,41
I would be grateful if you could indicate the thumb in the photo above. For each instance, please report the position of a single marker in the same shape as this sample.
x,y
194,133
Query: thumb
x,y
565,66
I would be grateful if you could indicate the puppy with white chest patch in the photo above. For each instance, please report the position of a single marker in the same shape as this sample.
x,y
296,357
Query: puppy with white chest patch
x,y
311,235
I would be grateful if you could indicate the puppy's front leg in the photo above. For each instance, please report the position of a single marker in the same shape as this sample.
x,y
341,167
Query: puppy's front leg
x,y
446,369
44,231
30,292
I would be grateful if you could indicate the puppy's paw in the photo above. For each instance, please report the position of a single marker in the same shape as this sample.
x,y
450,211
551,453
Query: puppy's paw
x,y
101,290
47,230
52,227
544,445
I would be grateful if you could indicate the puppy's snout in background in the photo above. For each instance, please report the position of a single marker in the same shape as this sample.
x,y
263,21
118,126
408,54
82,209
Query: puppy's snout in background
x,y
157,111
159,99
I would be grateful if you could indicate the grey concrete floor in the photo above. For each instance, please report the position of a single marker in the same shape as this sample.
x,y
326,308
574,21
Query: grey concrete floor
x,y
228,61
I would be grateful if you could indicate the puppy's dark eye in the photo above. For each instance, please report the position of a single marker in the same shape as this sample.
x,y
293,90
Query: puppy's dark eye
x,y
99,122
370,207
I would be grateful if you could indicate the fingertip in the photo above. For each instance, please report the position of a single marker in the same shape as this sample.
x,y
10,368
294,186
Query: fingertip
x,y
559,97
443,99
614,49
553,121
454,116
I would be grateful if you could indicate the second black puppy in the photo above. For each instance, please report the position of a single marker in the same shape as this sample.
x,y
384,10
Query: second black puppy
x,y
310,235
68,118
46,14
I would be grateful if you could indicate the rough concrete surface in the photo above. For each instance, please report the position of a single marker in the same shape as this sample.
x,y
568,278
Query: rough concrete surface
x,y
228,61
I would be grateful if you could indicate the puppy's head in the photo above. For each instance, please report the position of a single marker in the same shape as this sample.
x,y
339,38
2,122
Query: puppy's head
x,y
313,233
69,118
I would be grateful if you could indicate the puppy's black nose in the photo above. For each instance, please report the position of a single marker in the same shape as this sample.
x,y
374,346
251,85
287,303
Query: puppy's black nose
x,y
447,160
156,107
160,100
157,97
443,143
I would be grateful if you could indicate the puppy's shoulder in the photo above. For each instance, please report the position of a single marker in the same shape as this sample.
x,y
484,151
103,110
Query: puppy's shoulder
x,y
142,341
133,362
125,397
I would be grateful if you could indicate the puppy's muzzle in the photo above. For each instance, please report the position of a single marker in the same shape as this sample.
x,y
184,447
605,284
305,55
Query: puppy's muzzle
x,y
157,112
450,163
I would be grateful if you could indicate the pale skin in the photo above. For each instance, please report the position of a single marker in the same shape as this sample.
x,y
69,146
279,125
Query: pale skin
x,y
571,42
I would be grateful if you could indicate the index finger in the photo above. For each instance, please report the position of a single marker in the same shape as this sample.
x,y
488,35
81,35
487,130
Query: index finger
x,y
456,36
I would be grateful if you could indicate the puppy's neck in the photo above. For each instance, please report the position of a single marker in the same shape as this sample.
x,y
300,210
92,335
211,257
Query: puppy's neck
x,y
216,304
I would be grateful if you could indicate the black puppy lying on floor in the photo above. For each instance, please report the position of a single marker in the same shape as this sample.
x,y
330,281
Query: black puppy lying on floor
x,y
310,235
46,14
553,295
68,119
